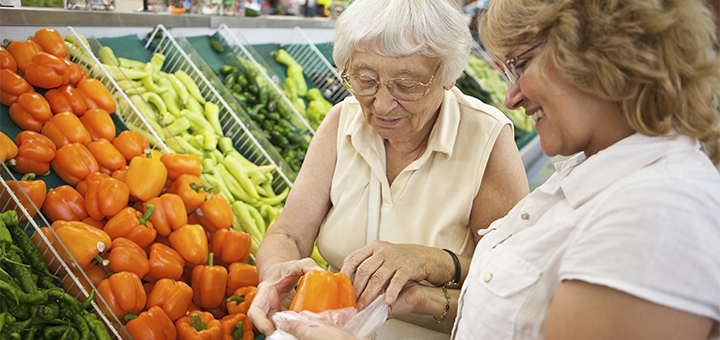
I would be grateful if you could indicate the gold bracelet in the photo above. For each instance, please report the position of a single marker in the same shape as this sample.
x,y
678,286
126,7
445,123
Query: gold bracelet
x,y
447,306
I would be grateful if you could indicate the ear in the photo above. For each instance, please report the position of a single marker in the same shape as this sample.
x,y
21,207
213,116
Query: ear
x,y
449,87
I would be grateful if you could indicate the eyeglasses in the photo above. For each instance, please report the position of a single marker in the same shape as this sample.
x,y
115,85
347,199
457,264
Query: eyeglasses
x,y
514,72
400,88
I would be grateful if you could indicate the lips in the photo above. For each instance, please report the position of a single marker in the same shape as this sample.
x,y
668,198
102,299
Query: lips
x,y
537,115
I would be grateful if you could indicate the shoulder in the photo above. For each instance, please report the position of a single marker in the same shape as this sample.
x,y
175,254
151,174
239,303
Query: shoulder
x,y
474,110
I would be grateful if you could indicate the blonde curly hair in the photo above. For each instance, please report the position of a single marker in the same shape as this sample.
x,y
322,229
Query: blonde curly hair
x,y
654,57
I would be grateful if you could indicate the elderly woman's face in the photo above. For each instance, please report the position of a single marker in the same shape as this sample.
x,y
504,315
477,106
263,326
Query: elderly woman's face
x,y
392,118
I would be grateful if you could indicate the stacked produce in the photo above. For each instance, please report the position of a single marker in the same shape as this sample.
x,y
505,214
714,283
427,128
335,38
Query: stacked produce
x,y
163,249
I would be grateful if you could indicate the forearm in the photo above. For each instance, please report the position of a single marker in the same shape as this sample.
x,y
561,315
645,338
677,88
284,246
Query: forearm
x,y
441,267
275,249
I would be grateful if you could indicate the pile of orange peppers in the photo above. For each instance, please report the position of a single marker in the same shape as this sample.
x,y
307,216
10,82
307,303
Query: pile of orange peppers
x,y
163,252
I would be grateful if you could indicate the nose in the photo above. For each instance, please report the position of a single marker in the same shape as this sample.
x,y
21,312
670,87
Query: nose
x,y
513,96
384,100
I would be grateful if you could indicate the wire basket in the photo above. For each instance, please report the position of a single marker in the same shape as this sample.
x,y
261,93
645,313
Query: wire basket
x,y
247,138
315,66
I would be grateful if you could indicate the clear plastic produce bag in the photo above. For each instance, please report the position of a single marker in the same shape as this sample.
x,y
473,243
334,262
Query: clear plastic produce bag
x,y
360,324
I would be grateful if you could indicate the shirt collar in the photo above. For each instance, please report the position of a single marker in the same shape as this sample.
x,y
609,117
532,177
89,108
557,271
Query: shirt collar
x,y
592,175
442,137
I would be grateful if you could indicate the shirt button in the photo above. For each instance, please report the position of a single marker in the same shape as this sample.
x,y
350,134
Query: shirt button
x,y
525,216
488,276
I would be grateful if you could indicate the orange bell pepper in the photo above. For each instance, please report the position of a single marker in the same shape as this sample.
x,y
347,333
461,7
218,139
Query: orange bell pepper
x,y
119,174
8,149
95,275
215,213
241,274
35,189
165,263
75,73
133,225
42,245
11,86
35,152
208,282
198,325
190,189
83,242
191,242
146,177
152,324
46,71
100,224
172,296
65,128
51,42
82,186
66,98
97,95
131,144
23,52
169,213
99,124
30,111
108,157
106,198
321,290
178,164
124,293
231,245
73,162
64,203
236,327
126,256
240,300
7,61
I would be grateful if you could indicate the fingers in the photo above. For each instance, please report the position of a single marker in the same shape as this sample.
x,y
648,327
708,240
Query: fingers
x,y
266,301
303,331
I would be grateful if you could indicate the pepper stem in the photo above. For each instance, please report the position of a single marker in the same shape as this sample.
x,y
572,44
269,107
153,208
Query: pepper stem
x,y
197,322
129,317
237,299
101,261
28,176
238,332
211,259
148,212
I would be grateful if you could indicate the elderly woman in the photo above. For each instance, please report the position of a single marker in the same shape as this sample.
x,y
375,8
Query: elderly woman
x,y
622,241
407,159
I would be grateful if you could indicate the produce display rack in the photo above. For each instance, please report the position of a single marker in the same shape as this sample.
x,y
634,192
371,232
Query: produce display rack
x,y
315,66
240,47
247,138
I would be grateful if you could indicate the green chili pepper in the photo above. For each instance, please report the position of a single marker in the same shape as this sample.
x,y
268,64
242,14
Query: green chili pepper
x,y
98,328
238,171
129,63
49,311
82,326
20,311
179,126
241,211
180,89
226,69
212,113
217,46
190,84
5,238
20,270
230,79
69,305
231,183
25,243
170,97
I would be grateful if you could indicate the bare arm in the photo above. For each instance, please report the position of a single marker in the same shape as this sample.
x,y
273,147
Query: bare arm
x,y
293,234
504,184
581,310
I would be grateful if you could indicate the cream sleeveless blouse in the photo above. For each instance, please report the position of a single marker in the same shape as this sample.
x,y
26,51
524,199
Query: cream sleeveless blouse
x,y
429,202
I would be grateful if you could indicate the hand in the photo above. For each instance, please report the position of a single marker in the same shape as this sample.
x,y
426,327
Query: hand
x,y
272,296
380,264
411,299
303,331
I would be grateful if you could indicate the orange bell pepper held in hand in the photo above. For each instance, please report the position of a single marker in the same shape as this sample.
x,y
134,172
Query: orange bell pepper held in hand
x,y
241,274
97,96
46,71
215,213
66,98
241,299
65,128
106,198
64,203
191,242
30,111
198,325
124,293
108,157
35,152
51,42
230,245
133,225
165,263
208,284
322,290
8,149
99,124
74,162
146,177
169,213
35,189
236,327
7,61
126,256
83,242
152,324
172,296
